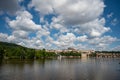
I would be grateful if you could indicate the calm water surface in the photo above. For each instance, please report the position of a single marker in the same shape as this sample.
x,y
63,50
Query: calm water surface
x,y
64,69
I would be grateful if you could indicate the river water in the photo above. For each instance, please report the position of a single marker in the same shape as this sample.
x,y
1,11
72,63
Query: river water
x,y
61,69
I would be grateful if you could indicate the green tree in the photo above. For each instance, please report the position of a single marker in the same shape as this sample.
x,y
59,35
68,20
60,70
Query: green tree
x,y
1,53
30,54
43,53
93,54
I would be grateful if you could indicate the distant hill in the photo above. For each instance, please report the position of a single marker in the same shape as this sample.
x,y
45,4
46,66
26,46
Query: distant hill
x,y
11,50
10,45
14,51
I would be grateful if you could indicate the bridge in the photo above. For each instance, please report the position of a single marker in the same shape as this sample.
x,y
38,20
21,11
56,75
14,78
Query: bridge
x,y
85,54
108,55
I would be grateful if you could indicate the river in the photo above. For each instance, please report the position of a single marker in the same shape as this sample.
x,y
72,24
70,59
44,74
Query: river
x,y
61,69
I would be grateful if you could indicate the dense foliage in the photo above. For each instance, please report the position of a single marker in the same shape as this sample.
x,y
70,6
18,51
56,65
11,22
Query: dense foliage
x,y
93,54
70,53
13,51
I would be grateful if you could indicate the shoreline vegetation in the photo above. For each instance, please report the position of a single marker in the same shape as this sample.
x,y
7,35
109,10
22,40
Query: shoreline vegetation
x,y
13,51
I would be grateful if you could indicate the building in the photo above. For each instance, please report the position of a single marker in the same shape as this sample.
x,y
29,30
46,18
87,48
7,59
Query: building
x,y
84,53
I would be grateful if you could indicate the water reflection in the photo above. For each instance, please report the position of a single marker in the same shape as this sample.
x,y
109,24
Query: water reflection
x,y
0,61
64,69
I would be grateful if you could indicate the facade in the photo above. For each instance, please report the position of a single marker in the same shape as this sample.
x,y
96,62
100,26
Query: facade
x,y
84,53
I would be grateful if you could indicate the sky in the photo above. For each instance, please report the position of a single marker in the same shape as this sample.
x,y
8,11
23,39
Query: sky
x,y
53,24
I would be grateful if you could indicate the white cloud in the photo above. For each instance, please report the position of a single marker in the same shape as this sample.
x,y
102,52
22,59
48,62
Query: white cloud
x,y
23,26
43,6
23,22
72,12
80,11
117,48
82,38
42,32
105,40
3,37
42,20
7,38
27,42
80,46
58,24
102,42
12,38
71,19
20,34
68,38
81,17
76,23
64,41
94,28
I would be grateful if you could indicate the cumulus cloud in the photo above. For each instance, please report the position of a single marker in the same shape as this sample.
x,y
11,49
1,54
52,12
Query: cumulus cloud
x,y
102,42
95,28
105,40
9,6
43,6
77,24
117,48
20,34
27,42
23,22
72,12
68,38
23,26
3,37
82,38
42,32
80,16
7,38
65,40
58,24
62,42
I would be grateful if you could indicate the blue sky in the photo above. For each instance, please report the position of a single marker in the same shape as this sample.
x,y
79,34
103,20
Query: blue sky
x,y
53,24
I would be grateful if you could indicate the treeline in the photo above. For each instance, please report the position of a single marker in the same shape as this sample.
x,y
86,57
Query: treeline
x,y
13,51
93,54
107,51
70,53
